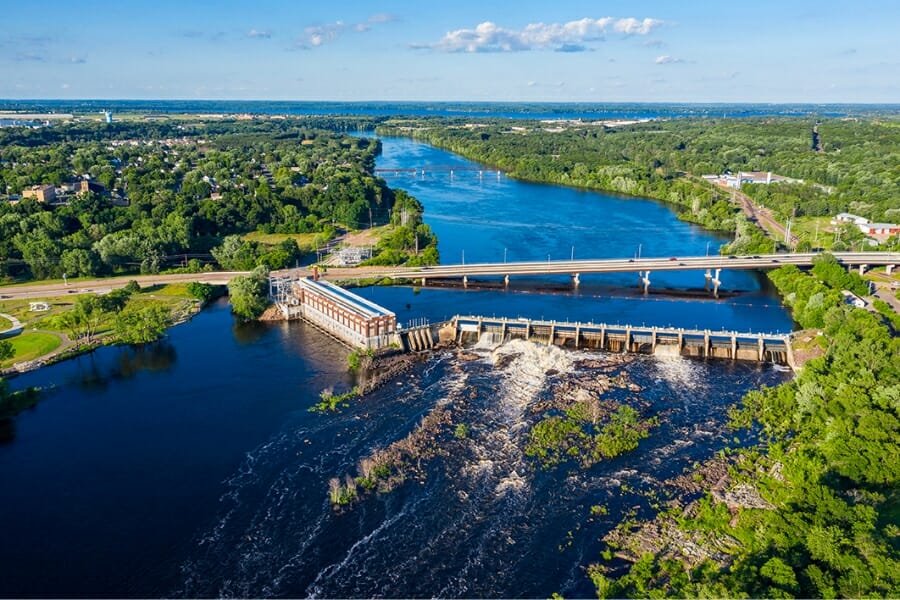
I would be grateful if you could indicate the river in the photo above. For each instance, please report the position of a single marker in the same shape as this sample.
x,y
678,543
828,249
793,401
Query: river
x,y
193,467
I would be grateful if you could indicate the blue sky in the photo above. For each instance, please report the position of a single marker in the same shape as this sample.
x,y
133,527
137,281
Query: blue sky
x,y
515,50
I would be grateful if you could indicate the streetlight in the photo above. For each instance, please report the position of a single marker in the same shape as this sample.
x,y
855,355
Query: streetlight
x,y
707,248
639,250
504,256
464,256
573,254
548,258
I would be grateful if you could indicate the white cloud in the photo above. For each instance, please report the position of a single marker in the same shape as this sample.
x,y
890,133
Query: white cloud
x,y
315,36
571,36
665,59
632,26
262,35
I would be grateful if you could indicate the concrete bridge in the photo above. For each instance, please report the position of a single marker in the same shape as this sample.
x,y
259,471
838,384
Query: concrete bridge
x,y
712,266
451,169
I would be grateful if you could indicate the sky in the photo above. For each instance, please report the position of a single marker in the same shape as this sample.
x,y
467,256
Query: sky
x,y
821,51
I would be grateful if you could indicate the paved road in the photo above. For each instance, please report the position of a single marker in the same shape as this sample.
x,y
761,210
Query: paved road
x,y
45,290
572,267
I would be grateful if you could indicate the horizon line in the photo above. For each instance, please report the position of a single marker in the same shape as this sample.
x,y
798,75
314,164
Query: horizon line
x,y
522,102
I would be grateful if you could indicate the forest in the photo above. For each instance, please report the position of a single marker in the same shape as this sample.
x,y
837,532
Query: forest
x,y
826,471
182,192
857,169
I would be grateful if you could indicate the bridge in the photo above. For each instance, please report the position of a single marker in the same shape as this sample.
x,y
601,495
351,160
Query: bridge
x,y
451,169
711,265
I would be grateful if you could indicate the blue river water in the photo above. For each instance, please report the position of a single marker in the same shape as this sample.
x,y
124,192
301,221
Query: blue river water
x,y
192,467
483,217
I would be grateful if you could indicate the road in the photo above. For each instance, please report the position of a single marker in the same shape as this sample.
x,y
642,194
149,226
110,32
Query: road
x,y
567,267
46,290
616,265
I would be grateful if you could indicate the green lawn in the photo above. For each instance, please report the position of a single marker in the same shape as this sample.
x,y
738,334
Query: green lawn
x,y
5,323
31,345
805,229
305,241
19,308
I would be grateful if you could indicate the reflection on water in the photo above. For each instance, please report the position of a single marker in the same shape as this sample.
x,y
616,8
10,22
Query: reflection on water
x,y
95,375
7,430
155,357
248,333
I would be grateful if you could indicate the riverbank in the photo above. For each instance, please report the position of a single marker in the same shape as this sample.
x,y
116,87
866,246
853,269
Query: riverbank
x,y
53,321
814,473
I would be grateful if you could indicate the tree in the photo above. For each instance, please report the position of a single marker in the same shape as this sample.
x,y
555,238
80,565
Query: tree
x,y
141,325
6,350
249,294
84,319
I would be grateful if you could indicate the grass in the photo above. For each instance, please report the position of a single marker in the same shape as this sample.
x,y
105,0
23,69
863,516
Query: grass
x,y
19,308
5,323
306,241
805,229
31,345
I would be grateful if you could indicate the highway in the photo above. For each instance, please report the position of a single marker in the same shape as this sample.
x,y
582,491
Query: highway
x,y
556,267
685,263
104,285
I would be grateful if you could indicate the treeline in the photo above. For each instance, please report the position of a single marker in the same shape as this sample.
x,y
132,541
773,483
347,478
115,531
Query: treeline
x,y
858,169
828,466
176,191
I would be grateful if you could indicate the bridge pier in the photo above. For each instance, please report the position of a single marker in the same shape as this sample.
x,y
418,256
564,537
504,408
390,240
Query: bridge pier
x,y
644,280
762,350
552,335
706,344
576,280
627,347
506,281
716,283
734,347
862,269
888,269
653,341
423,282
465,281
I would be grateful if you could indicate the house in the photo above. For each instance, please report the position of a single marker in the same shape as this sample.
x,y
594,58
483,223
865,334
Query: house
x,y
851,298
85,186
728,179
879,231
849,218
41,193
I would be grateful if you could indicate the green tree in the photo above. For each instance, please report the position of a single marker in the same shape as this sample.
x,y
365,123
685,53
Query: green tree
x,y
140,325
249,294
6,350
